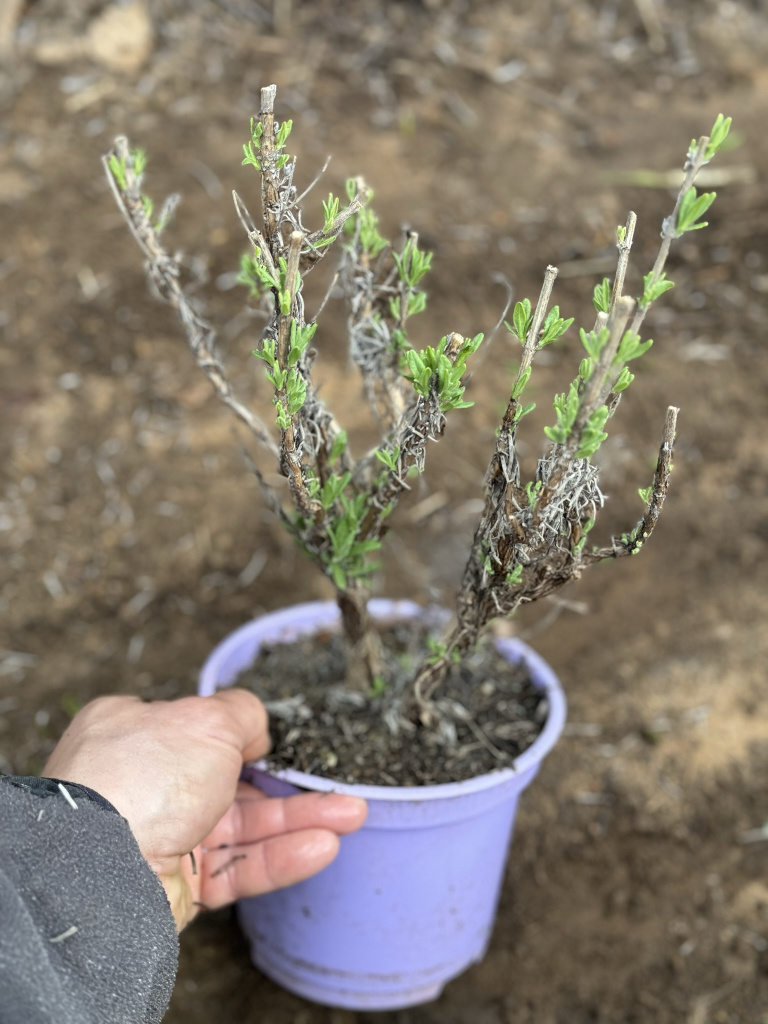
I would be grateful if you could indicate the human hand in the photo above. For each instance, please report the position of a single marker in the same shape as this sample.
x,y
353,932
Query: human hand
x,y
171,768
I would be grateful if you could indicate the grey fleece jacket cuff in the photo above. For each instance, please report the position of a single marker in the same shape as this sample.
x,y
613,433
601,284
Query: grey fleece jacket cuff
x,y
86,932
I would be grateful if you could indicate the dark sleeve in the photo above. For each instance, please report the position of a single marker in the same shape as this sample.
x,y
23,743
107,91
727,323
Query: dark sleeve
x,y
86,932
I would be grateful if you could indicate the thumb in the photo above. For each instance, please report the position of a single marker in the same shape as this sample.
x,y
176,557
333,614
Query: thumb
x,y
248,720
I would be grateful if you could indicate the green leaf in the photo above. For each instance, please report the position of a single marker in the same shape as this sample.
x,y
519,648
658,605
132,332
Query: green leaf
x,y
417,303
338,576
718,135
579,546
593,435
594,341
257,130
412,263
601,296
645,493
117,169
281,137
554,327
523,410
371,241
652,290
330,211
521,320
339,445
532,490
267,352
333,488
253,272
623,381
378,687
691,208
283,420
519,387
277,378
296,389
300,339
139,158
586,368
515,576
249,157
389,458
631,347
555,434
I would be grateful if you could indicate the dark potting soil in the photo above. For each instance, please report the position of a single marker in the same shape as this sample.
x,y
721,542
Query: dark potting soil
x,y
489,710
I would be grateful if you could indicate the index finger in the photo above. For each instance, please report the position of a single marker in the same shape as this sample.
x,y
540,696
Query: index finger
x,y
248,719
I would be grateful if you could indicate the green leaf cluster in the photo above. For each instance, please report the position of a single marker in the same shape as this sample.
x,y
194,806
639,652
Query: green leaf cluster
x,y
593,434
432,369
118,168
718,135
601,296
331,490
553,327
412,263
653,289
623,381
253,146
691,208
255,275
371,242
346,555
631,347
287,380
566,407
522,318
593,342
389,458
330,213
438,649
300,339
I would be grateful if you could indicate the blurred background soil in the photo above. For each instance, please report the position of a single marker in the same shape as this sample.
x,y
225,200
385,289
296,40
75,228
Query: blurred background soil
x,y
510,135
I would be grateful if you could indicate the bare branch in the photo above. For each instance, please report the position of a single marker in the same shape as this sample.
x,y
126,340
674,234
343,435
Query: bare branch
x,y
624,247
164,272
631,543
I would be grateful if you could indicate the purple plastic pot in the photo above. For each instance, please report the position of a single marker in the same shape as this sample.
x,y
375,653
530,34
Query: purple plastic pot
x,y
410,900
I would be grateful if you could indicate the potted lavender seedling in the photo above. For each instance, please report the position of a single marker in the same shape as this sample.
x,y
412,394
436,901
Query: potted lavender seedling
x,y
406,706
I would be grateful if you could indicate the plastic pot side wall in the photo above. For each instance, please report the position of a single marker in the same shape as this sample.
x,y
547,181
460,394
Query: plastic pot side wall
x,y
410,900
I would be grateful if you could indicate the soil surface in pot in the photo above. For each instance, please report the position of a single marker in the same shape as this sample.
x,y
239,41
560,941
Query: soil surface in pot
x,y
489,713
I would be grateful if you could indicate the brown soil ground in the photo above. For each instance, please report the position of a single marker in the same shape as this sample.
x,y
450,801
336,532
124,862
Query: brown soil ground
x,y
133,534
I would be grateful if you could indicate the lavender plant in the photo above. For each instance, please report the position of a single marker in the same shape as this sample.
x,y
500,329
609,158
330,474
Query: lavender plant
x,y
532,538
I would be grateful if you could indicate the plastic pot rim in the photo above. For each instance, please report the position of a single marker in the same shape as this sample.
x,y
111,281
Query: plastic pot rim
x,y
511,647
